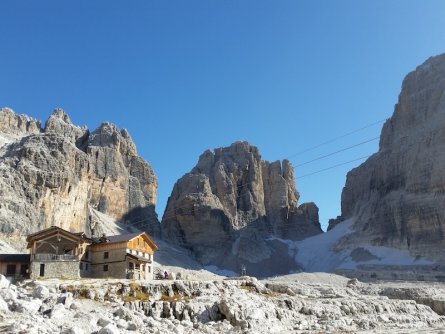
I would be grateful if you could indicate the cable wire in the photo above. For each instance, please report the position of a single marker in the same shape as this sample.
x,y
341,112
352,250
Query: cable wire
x,y
336,138
336,152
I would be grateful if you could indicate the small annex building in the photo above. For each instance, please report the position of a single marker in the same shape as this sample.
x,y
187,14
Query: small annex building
x,y
14,265
55,252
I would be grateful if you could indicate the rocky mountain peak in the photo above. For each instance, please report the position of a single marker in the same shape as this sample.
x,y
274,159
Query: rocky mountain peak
x,y
109,136
67,177
60,124
238,154
396,197
230,199
420,103
14,125
60,114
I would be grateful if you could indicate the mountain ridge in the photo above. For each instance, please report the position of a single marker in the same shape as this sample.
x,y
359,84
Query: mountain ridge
x,y
57,174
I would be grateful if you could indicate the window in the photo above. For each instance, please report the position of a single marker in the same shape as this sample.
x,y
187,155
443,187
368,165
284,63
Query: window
x,y
149,269
105,255
86,266
10,269
137,266
105,267
81,265
87,255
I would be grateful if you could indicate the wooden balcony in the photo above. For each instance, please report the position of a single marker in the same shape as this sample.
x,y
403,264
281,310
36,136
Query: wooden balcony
x,y
53,257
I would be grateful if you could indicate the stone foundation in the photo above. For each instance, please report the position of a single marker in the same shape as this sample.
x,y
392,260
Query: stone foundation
x,y
55,269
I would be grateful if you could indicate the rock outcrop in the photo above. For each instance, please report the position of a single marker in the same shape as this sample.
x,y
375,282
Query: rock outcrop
x,y
297,304
227,207
397,196
63,175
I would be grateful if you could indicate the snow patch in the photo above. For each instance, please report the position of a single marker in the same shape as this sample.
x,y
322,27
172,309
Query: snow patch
x,y
387,256
221,272
316,254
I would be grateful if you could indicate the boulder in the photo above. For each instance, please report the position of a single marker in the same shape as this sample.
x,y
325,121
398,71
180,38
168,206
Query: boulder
x,y
3,305
4,283
40,292
109,329
102,322
8,294
73,330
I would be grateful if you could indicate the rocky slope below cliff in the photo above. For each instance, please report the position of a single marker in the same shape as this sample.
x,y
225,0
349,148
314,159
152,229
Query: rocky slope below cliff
x,y
302,303
230,204
396,198
67,176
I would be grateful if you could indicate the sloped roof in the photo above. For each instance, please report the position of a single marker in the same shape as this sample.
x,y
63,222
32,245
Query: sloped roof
x,y
49,230
124,238
15,258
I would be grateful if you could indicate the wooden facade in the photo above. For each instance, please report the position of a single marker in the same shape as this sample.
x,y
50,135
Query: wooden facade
x,y
55,252
124,256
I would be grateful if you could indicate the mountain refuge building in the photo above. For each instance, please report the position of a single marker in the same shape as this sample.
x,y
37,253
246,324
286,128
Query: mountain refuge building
x,y
55,252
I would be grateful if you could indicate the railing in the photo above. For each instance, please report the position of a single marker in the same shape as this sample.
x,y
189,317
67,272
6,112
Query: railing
x,y
54,257
135,274
146,259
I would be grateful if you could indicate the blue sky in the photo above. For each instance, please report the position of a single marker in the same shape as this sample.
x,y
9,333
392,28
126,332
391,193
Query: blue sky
x,y
185,76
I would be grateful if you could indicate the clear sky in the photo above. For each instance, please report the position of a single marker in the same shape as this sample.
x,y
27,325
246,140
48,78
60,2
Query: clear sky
x,y
185,76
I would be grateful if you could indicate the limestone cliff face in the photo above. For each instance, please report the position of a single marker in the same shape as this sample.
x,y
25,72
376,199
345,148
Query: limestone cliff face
x,y
13,125
231,202
397,196
63,174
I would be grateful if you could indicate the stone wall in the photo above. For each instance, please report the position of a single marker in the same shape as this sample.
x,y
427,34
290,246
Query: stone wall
x,y
115,261
66,269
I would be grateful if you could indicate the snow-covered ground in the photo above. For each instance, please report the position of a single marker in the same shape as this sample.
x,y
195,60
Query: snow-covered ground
x,y
316,254
222,272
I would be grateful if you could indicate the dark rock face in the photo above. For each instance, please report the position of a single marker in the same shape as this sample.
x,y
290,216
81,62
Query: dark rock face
x,y
59,175
397,196
231,202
